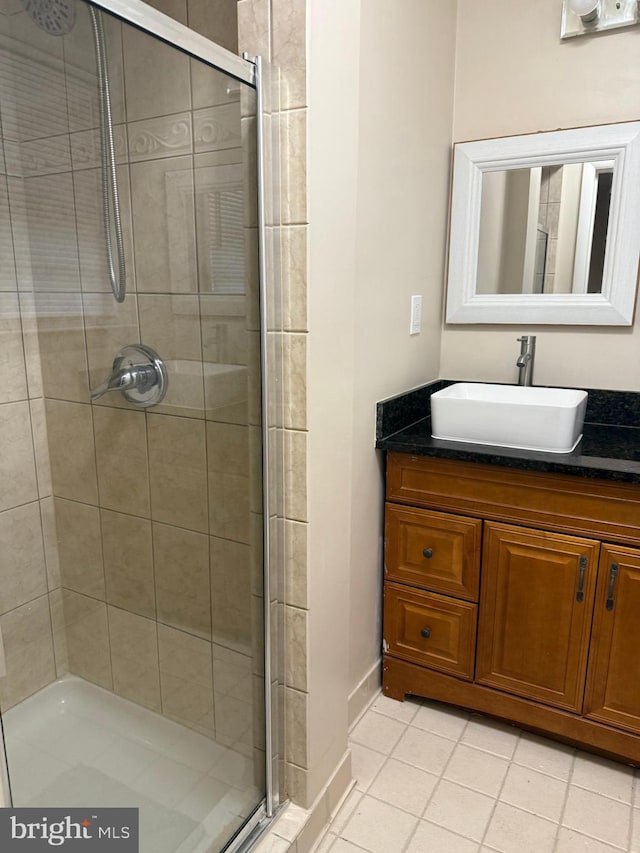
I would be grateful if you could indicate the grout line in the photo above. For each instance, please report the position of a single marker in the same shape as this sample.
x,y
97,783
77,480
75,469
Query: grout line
x,y
564,804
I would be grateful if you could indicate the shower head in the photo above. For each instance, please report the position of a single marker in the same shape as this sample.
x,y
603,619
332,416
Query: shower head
x,y
55,17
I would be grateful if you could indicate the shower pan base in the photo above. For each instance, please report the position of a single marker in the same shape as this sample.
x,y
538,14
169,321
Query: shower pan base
x,y
76,743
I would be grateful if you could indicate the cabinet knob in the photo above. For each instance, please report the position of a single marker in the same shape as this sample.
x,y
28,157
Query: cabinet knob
x,y
426,633
428,553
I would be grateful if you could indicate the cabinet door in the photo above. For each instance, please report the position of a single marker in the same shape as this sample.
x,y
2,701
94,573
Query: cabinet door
x,y
613,684
536,603
433,550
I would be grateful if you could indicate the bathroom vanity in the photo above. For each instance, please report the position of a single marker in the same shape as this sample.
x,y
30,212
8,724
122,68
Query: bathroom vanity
x,y
512,578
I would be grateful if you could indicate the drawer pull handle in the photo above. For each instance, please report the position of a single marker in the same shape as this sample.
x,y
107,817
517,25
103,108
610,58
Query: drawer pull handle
x,y
613,573
428,553
583,569
426,633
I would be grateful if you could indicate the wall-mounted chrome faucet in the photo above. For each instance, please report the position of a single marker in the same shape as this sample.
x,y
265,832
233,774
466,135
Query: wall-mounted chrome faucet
x,y
139,374
526,359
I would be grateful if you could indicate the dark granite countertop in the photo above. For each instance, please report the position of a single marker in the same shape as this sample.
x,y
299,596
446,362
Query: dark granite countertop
x,y
609,449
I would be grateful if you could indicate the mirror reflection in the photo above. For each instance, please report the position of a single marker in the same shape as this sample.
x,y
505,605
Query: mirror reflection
x,y
543,229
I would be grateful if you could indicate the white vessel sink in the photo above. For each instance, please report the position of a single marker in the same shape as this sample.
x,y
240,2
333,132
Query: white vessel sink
x,y
529,418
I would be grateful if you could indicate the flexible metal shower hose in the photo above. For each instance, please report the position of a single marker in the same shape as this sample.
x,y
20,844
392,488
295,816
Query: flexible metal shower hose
x,y
110,198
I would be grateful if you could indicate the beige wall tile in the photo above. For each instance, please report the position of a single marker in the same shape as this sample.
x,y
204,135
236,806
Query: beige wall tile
x,y
63,355
182,579
228,463
253,27
170,324
166,136
162,200
186,678
294,270
218,127
86,148
23,574
289,55
293,130
177,467
128,562
28,647
41,447
109,325
134,657
296,723
156,76
295,461
17,463
215,19
94,269
296,590
50,539
80,547
72,451
210,87
295,381
296,645
250,169
87,637
13,379
231,591
8,279
59,632
47,156
33,362
121,455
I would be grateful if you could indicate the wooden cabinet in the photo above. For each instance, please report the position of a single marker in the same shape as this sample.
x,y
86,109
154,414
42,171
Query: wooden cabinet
x,y
517,594
535,617
614,665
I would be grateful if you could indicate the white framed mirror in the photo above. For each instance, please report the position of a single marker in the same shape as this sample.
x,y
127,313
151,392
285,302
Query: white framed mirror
x,y
545,228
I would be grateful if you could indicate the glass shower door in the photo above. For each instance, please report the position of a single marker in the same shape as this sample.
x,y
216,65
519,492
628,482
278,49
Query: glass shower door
x,y
131,583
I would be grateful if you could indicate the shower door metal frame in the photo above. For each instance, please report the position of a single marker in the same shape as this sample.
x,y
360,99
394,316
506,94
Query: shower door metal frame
x,y
252,73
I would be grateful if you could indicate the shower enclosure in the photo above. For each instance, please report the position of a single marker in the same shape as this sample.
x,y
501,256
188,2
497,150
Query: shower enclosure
x,y
133,662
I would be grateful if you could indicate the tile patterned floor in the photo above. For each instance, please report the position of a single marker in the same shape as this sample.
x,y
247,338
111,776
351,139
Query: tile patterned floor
x,y
431,779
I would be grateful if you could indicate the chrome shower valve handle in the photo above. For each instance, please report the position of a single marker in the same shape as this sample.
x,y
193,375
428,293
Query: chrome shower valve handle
x,y
139,374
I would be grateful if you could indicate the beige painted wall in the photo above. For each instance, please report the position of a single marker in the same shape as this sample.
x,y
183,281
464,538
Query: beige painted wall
x,y
535,82
406,88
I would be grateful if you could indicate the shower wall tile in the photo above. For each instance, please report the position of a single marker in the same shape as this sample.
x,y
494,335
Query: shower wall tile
x,y
80,548
253,27
216,20
217,128
293,133
163,220
61,343
134,658
166,136
170,324
72,451
94,267
288,21
293,242
177,466
23,575
50,539
86,147
8,280
297,650
87,637
41,447
228,466
122,460
58,628
33,362
295,381
157,78
109,325
296,588
50,248
81,73
32,85
295,475
211,88
250,169
13,379
182,579
18,483
28,647
47,156
230,591
128,562
186,678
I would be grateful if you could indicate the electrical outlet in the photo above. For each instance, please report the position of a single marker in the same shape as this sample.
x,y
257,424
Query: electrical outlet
x,y
415,325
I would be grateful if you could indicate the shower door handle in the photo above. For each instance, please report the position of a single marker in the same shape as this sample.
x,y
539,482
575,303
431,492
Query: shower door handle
x,y
139,374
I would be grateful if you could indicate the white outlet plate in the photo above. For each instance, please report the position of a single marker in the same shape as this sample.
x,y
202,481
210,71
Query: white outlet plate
x,y
415,325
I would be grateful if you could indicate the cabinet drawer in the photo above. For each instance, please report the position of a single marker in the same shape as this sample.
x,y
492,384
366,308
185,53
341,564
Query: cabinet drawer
x,y
433,550
431,630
